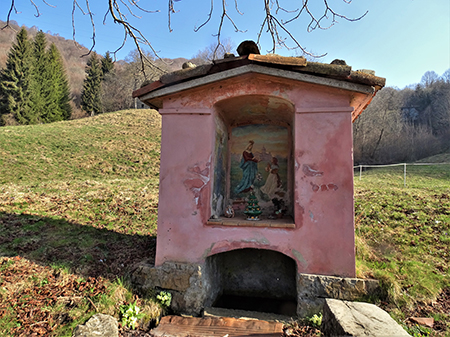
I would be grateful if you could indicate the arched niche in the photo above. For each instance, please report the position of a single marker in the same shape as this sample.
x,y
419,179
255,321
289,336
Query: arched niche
x,y
266,123
254,279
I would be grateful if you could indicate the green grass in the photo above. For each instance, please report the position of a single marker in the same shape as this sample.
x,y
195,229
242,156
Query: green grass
x,y
81,197
101,171
403,234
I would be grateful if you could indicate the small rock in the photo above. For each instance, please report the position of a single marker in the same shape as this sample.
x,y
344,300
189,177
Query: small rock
x,y
99,325
339,62
367,71
188,65
289,332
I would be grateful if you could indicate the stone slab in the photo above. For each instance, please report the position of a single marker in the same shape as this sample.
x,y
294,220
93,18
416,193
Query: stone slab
x,y
332,70
177,326
277,59
314,289
344,318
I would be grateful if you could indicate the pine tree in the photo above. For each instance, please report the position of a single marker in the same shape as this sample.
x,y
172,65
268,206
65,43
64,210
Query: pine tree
x,y
41,78
91,94
58,90
16,82
107,64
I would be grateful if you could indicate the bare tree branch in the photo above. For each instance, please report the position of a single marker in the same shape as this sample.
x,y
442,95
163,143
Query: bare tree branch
x,y
224,16
9,14
36,8
196,29
93,27
272,23
49,5
134,33
275,21
171,11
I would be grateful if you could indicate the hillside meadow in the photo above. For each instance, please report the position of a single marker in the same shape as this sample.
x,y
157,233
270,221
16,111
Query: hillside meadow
x,y
78,210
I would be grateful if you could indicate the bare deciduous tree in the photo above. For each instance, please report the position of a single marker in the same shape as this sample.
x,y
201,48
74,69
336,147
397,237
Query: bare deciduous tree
x,y
405,125
213,51
429,78
275,21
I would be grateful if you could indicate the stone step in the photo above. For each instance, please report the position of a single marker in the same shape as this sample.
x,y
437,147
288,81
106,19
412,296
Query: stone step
x,y
177,326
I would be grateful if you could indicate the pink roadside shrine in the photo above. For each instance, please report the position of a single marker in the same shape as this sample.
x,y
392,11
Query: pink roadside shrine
x,y
280,129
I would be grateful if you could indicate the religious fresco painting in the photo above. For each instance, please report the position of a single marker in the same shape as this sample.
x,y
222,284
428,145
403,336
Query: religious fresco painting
x,y
259,162
220,169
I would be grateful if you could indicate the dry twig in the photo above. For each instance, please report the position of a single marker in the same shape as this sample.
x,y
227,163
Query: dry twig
x,y
272,24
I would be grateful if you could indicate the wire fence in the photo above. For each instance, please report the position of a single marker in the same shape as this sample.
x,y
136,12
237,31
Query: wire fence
x,y
361,167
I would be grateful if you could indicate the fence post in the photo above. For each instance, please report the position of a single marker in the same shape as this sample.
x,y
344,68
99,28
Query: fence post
x,y
360,171
404,175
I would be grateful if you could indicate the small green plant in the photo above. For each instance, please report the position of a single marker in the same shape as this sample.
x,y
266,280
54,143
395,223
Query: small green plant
x,y
129,314
165,298
417,331
316,320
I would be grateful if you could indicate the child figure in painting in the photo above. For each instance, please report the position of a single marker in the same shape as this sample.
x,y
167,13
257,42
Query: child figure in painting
x,y
273,182
249,167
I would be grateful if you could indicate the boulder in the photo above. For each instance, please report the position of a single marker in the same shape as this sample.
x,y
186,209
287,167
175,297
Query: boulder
x,y
99,325
248,47
343,318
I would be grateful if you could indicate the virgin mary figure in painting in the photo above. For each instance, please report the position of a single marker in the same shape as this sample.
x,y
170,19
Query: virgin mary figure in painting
x,y
249,167
273,182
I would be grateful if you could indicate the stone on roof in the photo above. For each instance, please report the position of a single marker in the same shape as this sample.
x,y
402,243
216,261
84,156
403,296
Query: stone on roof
x,y
338,70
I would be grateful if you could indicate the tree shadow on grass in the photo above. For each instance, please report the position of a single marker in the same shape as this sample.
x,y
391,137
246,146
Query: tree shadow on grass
x,y
84,250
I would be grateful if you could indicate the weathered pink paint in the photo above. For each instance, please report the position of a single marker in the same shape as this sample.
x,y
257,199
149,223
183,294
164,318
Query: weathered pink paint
x,y
320,118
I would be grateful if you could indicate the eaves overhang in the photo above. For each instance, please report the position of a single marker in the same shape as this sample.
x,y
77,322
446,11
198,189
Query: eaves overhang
x,y
256,69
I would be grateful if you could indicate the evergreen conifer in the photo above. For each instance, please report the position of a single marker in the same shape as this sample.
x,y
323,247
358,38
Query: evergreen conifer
x,y
58,90
91,94
41,78
107,64
16,82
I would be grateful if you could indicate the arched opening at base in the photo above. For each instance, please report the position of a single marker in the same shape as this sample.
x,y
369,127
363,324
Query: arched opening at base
x,y
255,280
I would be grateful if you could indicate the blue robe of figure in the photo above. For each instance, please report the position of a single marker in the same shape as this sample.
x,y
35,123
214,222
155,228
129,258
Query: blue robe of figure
x,y
249,166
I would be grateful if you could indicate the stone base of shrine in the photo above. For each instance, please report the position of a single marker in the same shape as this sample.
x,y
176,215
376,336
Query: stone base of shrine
x,y
197,286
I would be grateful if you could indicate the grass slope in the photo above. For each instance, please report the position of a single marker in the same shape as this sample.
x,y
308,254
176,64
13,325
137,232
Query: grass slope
x,y
79,199
403,240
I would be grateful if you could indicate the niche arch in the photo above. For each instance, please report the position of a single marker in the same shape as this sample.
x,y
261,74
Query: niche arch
x,y
267,122
254,279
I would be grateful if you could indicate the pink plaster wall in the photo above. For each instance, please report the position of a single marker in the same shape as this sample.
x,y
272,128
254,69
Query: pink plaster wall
x,y
323,240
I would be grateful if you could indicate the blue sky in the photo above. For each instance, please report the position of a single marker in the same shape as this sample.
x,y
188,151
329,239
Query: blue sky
x,y
399,39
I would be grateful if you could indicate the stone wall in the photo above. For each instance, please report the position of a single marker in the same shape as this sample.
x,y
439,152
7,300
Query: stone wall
x,y
194,287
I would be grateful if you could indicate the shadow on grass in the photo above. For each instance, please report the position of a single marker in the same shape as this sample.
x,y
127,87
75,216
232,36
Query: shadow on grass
x,y
84,250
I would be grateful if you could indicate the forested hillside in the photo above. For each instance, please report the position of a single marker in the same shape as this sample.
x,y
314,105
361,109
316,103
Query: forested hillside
x,y
71,52
405,125
127,75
